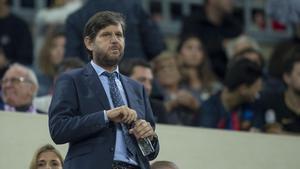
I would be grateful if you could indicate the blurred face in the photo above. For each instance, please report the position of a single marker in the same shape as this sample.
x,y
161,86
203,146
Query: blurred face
x,y
249,93
143,75
168,73
253,57
108,46
17,89
191,53
293,79
48,160
58,50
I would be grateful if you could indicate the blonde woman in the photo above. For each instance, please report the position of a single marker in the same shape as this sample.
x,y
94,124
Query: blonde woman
x,y
47,157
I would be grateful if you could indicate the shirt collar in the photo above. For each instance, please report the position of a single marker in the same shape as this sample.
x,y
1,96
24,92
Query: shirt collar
x,y
99,70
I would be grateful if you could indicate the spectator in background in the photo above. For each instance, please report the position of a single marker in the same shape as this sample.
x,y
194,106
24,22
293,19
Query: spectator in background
x,y
50,57
47,157
240,43
164,165
19,87
43,102
143,37
275,66
214,25
49,19
233,108
251,54
15,37
195,69
288,13
182,106
141,71
281,110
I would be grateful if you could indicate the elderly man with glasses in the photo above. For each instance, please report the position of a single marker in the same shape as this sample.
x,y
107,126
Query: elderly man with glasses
x,y
19,86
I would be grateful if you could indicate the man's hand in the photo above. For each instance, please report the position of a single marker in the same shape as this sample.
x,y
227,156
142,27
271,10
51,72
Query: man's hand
x,y
122,114
142,129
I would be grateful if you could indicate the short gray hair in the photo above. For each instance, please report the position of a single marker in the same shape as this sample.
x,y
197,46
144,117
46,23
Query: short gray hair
x,y
29,73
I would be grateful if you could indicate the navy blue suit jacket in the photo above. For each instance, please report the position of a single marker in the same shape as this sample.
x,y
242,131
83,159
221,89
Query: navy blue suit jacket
x,y
76,117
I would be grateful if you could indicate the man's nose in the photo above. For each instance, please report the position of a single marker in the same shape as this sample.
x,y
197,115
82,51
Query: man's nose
x,y
114,38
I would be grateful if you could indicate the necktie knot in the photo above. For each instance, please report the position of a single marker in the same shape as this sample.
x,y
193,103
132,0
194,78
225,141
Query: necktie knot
x,y
110,76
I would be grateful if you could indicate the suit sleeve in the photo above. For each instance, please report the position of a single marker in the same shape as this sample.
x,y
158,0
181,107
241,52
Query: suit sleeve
x,y
150,119
66,124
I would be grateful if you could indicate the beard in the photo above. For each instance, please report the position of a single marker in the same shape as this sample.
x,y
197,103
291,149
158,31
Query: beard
x,y
106,59
296,91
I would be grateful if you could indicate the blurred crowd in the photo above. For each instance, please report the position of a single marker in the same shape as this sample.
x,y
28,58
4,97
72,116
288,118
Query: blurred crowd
x,y
218,76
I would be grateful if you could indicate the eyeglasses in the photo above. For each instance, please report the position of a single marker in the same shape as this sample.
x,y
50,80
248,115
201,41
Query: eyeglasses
x,y
15,80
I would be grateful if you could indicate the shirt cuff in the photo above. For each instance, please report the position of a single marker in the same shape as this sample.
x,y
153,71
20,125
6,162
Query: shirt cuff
x,y
105,116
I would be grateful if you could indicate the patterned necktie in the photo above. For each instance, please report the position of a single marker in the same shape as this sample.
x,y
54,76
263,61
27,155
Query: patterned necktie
x,y
117,102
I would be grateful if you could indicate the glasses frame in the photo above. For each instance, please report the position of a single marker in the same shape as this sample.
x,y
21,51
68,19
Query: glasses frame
x,y
15,80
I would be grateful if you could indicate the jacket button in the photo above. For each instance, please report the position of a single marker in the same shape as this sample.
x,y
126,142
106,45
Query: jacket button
x,y
111,149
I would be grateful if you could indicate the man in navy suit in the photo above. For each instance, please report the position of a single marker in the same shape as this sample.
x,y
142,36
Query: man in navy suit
x,y
84,112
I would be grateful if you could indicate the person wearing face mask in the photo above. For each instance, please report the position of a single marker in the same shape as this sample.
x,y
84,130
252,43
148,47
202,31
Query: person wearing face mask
x,y
47,157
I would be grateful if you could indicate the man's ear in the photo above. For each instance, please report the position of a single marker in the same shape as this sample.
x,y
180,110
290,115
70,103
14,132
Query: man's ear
x,y
88,43
33,89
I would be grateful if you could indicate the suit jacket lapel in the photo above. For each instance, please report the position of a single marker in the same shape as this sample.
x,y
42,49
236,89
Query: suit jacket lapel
x,y
95,85
132,99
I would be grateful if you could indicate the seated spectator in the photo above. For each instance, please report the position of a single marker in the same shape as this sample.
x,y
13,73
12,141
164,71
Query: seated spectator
x,y
47,157
15,37
141,71
49,19
164,165
233,107
197,75
282,109
214,24
43,102
19,87
275,66
257,57
51,55
182,106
